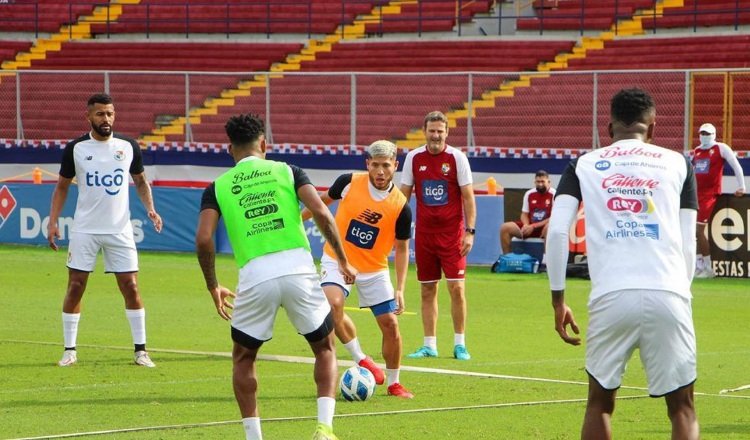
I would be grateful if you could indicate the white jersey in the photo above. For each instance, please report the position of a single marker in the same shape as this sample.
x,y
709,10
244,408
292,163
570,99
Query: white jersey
x,y
102,168
632,194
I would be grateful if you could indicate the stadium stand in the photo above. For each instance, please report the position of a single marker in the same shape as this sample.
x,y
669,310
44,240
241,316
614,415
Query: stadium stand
x,y
389,105
267,16
42,15
696,13
142,99
668,53
567,96
579,14
429,16
9,49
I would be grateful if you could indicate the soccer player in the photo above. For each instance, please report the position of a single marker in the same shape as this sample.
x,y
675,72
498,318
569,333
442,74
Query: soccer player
x,y
259,201
535,212
708,159
373,215
102,160
640,202
446,215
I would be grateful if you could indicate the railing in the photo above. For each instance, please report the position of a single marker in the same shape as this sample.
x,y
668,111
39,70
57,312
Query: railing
x,y
301,17
262,16
733,17
555,110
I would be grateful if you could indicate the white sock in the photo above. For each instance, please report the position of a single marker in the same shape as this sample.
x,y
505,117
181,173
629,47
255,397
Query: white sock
x,y
137,319
326,408
459,339
355,350
70,328
252,428
392,376
707,263
430,341
544,258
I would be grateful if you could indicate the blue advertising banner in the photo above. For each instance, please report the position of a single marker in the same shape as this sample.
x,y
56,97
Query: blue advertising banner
x,y
24,216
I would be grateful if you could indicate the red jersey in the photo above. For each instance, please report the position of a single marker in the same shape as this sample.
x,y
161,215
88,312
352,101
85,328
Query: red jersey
x,y
709,170
437,180
538,205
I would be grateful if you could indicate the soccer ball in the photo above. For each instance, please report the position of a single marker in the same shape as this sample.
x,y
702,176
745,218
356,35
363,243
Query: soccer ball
x,y
357,383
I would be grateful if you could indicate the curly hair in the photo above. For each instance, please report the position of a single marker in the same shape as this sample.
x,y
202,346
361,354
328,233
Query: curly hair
x,y
632,105
244,129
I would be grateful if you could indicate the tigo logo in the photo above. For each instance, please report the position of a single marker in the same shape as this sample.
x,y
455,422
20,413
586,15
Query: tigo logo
x,y
361,234
112,183
7,204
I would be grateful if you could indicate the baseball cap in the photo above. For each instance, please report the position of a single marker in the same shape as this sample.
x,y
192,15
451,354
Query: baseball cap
x,y
708,128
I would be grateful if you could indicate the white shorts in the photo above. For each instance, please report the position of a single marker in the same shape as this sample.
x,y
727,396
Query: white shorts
x,y
118,250
373,287
299,294
658,323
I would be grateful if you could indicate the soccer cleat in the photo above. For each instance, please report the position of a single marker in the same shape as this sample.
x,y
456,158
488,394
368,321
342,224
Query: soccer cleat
x,y
706,272
369,364
396,389
142,359
423,352
324,432
69,358
460,353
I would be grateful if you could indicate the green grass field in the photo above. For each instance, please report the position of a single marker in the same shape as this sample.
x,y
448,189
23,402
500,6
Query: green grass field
x,y
526,383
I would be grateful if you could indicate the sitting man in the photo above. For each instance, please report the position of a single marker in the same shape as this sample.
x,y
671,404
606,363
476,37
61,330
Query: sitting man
x,y
535,212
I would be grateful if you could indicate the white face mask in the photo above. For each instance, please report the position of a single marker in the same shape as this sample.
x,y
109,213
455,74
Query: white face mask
x,y
707,140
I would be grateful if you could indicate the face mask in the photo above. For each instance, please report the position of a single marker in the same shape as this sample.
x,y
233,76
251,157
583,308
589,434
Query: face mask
x,y
707,140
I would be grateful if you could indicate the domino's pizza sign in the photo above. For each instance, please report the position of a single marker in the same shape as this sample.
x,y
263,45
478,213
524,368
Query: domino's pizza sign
x,y
7,204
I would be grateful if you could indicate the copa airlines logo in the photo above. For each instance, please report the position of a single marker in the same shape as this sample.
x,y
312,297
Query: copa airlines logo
x,y
112,183
7,204
637,206
435,192
361,234
627,229
602,165
617,151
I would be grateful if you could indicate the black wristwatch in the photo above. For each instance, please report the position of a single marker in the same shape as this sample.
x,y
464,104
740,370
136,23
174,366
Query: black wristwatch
x,y
471,231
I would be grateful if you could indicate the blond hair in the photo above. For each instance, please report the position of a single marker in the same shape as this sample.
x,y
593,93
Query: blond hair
x,y
382,148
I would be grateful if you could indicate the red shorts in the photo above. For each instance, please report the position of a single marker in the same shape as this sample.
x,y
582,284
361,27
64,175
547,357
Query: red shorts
x,y
436,252
706,205
536,234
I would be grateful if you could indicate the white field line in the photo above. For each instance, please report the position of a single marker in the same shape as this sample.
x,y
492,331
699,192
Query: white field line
x,y
734,390
338,416
346,363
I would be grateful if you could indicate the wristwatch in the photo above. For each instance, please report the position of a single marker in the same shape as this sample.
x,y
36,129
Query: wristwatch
x,y
471,231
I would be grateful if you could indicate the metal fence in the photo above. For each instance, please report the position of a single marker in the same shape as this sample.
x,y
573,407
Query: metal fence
x,y
509,110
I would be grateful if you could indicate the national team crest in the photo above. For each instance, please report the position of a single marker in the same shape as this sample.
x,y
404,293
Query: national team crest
x,y
7,204
119,155
445,168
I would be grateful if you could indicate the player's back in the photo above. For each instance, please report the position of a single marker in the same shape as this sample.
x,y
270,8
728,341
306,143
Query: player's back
x,y
632,197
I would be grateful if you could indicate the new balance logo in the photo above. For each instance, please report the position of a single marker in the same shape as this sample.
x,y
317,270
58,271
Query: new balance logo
x,y
423,168
370,217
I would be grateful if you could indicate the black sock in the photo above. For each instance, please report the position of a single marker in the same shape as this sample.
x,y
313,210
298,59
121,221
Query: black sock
x,y
140,347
